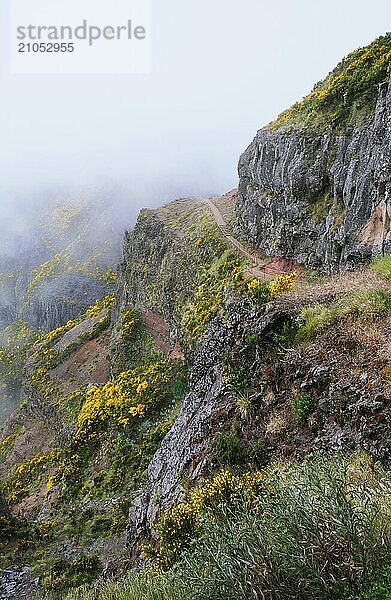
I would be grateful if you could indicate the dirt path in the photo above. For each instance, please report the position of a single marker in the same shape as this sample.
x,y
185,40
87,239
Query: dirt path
x,y
260,268
159,329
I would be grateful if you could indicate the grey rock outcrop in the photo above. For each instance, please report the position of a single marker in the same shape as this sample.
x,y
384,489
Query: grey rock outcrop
x,y
62,299
159,272
322,199
16,583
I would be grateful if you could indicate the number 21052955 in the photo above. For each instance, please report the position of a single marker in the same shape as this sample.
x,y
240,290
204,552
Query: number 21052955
x,y
48,47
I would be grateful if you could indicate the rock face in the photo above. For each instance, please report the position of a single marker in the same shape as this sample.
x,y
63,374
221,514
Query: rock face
x,y
186,452
62,300
161,261
149,276
61,263
320,198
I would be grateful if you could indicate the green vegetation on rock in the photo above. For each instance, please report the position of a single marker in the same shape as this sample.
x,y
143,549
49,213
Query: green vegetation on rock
x,y
348,92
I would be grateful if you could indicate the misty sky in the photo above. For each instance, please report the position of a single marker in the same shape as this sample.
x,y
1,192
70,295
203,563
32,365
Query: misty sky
x,y
221,70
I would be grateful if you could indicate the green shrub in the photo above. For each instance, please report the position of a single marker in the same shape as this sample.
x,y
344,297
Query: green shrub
x,y
322,534
237,377
65,574
147,586
304,405
7,529
380,589
287,334
100,525
382,266
231,448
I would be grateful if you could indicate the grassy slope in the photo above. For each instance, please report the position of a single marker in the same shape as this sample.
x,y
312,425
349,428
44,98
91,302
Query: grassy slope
x,y
347,94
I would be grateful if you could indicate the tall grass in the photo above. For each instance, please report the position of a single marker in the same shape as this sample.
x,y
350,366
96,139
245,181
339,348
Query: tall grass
x,y
381,588
382,266
323,533
370,304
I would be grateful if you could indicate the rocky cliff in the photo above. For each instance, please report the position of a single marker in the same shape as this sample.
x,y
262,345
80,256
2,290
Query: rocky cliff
x,y
203,374
164,255
319,192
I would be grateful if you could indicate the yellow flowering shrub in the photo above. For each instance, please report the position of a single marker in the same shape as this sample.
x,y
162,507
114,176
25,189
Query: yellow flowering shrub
x,y
46,357
142,387
108,276
129,320
62,262
282,284
7,444
115,406
45,528
227,278
51,482
17,486
122,399
55,334
52,337
58,262
256,289
180,524
215,284
100,305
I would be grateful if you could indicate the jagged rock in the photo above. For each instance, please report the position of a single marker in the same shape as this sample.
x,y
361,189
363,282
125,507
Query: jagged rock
x,y
322,199
186,452
17,584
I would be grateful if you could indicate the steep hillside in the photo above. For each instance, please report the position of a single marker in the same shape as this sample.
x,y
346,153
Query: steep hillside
x,y
164,255
279,379
314,185
108,423
48,274
64,261
219,427
100,393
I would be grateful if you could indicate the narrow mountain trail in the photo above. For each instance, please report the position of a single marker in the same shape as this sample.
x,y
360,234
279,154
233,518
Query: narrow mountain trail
x,y
261,268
